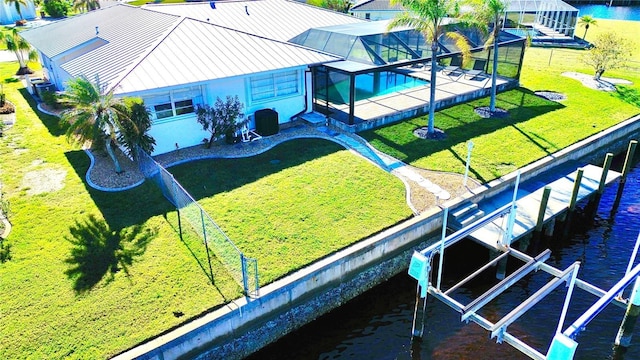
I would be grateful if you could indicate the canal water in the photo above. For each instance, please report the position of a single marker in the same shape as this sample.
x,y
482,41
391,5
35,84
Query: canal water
x,y
628,12
377,324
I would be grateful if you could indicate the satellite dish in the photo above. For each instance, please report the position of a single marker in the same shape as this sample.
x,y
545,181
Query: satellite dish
x,y
212,4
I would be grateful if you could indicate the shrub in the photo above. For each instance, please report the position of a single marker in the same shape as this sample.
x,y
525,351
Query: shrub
x,y
57,8
50,98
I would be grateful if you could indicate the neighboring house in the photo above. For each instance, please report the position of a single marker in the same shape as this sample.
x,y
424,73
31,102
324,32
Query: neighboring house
x,y
9,15
176,62
546,16
375,10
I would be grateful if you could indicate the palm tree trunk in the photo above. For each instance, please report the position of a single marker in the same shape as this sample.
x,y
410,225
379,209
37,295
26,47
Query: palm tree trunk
x,y
113,156
584,37
432,92
494,72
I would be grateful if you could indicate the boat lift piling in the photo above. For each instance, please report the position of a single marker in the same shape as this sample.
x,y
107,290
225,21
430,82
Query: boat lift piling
x,y
498,239
628,160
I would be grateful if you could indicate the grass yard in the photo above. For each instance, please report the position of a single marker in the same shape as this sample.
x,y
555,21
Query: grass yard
x,y
535,127
295,203
89,277
93,273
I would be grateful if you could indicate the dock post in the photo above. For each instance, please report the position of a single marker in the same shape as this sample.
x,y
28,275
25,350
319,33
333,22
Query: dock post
x,y
576,189
566,226
625,172
594,202
537,232
543,209
630,317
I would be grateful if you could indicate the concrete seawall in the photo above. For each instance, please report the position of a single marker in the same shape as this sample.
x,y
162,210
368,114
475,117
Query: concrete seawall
x,y
247,325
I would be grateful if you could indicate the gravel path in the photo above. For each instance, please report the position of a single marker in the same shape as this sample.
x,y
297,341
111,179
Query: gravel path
x,y
102,175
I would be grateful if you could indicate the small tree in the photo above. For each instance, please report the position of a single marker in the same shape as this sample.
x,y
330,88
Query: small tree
x,y
221,118
609,51
428,17
92,115
85,5
134,133
24,52
586,21
57,8
342,6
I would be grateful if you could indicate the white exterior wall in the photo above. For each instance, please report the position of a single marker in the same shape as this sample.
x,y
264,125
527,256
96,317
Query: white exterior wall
x,y
376,15
185,131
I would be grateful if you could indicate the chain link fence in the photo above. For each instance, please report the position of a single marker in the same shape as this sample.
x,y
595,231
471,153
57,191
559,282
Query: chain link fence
x,y
243,269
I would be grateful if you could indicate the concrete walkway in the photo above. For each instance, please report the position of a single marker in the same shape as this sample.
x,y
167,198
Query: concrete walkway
x,y
384,161
7,56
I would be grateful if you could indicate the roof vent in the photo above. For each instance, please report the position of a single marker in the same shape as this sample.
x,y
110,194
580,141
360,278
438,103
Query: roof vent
x,y
246,9
212,4
97,31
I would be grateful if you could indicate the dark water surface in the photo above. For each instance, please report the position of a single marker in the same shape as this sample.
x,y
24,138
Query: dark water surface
x,y
610,12
377,324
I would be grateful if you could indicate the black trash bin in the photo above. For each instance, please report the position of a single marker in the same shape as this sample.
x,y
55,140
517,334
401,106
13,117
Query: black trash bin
x,y
267,122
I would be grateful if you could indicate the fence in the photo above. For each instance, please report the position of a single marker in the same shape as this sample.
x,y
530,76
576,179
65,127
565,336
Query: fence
x,y
243,269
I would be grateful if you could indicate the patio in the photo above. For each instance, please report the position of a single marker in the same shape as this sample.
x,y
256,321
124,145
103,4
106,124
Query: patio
x,y
451,88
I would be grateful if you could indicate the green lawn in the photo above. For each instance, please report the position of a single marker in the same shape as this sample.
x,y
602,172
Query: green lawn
x,y
296,203
95,273
535,127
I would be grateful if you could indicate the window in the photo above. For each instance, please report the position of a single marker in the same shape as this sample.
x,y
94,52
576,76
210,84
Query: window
x,y
274,85
367,16
174,103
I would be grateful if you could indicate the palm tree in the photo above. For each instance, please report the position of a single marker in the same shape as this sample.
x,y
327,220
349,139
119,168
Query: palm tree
x,y
85,5
24,52
427,17
133,133
485,12
17,4
586,21
93,115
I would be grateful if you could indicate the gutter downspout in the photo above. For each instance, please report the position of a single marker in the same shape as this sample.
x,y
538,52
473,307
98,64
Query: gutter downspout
x,y
306,94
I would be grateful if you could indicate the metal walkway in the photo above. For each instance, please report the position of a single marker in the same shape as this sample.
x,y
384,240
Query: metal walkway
x,y
497,231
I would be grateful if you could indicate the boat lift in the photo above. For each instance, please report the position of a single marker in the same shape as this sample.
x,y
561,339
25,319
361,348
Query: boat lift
x,y
563,345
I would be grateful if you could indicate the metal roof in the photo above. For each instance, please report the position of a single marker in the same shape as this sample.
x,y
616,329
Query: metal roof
x,y
103,43
137,49
117,22
273,19
196,51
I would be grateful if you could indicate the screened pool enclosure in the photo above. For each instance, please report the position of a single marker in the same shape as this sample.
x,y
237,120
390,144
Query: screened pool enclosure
x,y
380,62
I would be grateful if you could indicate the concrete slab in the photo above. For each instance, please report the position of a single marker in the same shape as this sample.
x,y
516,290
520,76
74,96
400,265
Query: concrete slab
x,y
529,205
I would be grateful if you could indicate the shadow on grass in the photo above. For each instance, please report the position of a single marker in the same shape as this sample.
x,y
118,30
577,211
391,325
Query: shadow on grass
x,y
122,208
100,251
52,123
130,208
206,178
461,124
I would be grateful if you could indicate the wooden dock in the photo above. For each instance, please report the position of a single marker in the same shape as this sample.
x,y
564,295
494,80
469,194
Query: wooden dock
x,y
528,206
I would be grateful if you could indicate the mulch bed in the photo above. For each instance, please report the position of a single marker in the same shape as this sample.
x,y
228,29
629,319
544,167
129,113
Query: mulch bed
x,y
486,113
551,95
423,133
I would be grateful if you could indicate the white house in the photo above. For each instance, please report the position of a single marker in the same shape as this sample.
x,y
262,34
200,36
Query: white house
x,y
375,10
9,15
174,60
